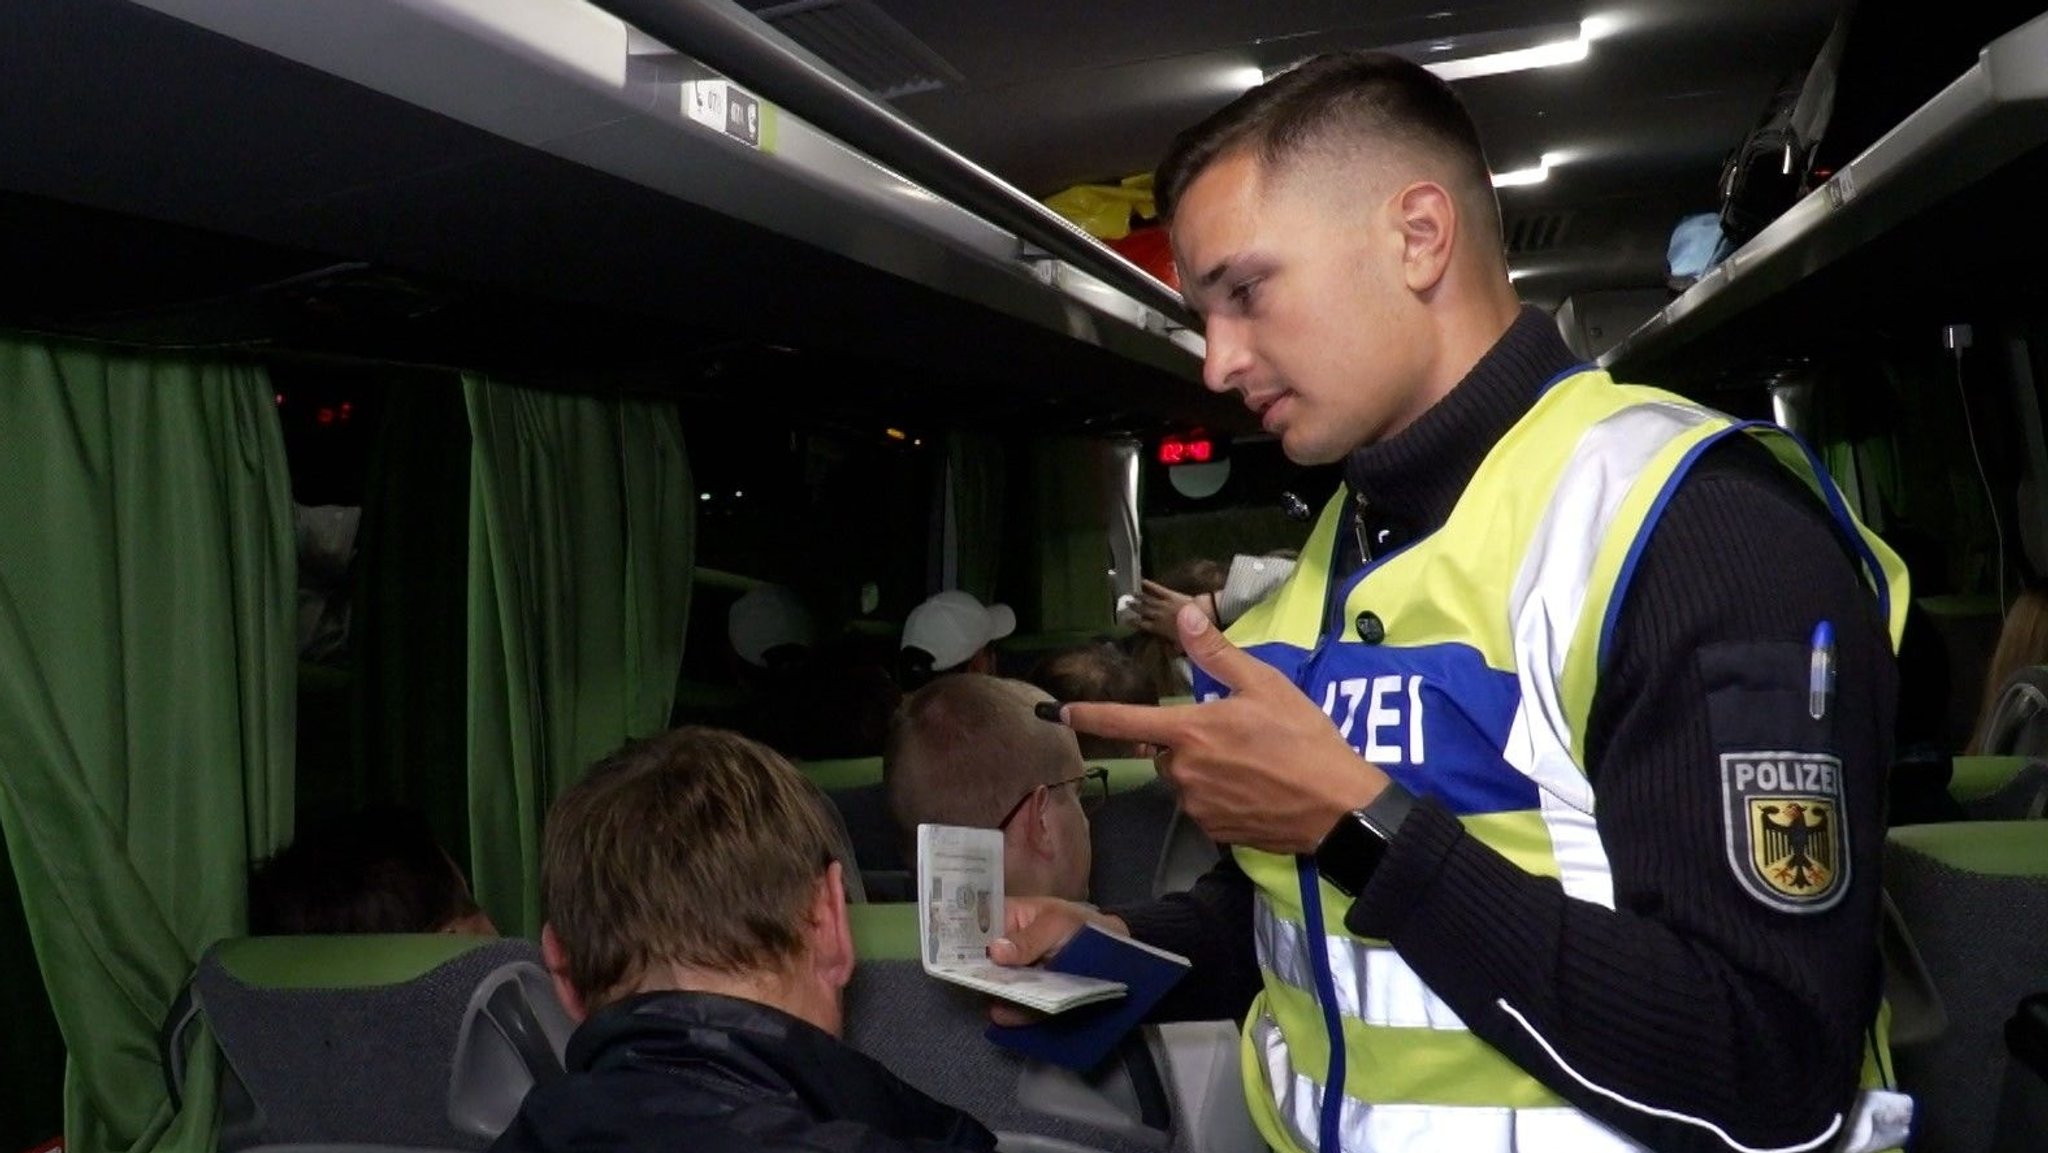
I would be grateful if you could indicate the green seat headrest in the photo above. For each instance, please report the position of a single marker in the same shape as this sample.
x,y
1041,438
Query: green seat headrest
x,y
358,961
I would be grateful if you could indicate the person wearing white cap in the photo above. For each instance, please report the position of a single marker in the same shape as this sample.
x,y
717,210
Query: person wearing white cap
x,y
952,632
769,626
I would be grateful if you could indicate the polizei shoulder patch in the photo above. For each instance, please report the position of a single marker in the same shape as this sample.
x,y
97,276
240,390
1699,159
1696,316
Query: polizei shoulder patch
x,y
1787,840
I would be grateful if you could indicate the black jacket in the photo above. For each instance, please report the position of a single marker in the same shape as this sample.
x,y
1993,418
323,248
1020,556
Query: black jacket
x,y
708,1074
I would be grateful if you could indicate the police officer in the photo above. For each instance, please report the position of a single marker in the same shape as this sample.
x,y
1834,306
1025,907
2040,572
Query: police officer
x,y
1552,776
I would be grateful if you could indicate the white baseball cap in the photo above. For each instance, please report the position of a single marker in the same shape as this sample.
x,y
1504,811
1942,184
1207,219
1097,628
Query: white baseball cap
x,y
953,626
765,619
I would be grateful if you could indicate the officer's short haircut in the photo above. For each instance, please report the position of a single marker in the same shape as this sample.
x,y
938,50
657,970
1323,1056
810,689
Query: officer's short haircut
x,y
697,848
963,748
1337,104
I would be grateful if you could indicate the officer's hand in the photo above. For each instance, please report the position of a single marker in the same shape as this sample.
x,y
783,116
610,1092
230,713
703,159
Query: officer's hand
x,y
1035,928
1263,767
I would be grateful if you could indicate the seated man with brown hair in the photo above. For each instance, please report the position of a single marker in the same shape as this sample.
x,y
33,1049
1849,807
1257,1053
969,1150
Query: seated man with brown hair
x,y
697,929
376,870
966,750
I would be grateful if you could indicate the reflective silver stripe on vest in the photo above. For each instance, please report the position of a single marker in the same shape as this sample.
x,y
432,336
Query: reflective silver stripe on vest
x,y
1368,1128
1545,607
1372,983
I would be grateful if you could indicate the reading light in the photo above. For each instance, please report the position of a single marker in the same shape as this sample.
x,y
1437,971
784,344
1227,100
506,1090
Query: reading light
x,y
1520,177
1245,77
1552,55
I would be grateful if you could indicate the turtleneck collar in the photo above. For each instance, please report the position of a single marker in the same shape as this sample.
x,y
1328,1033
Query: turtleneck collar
x,y
1417,475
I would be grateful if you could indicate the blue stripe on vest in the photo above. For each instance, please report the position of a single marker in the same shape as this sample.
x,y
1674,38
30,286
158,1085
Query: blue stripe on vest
x,y
1434,717
1838,509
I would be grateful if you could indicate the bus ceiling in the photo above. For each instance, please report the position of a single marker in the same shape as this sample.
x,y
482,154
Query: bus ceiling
x,y
539,162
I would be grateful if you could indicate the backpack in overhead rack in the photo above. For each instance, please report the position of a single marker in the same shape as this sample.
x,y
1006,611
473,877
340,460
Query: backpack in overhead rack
x,y
1773,166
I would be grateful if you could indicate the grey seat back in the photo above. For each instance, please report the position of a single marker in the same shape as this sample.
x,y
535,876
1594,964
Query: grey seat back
x,y
1187,854
1126,834
870,828
1200,1063
1975,896
2023,1102
930,1033
2018,725
416,1042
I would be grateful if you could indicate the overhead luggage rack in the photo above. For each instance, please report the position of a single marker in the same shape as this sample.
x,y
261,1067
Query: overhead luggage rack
x,y
1974,143
535,105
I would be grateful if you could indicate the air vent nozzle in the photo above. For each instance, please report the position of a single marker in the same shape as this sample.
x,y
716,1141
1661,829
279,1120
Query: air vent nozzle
x,y
1538,232
862,41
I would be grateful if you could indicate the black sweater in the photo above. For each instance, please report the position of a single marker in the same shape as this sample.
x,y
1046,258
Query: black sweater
x,y
1689,996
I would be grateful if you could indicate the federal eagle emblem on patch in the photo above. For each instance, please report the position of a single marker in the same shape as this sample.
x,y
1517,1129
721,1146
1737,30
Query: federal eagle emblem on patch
x,y
1787,840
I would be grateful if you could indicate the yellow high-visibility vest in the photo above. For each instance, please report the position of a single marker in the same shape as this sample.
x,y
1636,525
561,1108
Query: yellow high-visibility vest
x,y
1493,630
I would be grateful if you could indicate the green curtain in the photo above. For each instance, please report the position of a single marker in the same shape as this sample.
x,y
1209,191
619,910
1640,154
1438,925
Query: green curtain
x,y
146,695
581,534
974,462
1071,542
1853,418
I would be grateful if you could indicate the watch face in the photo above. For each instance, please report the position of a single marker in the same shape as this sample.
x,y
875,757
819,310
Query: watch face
x,y
1350,853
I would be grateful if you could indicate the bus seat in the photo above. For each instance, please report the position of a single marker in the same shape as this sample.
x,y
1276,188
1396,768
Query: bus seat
x,y
870,828
844,852
1975,896
1200,1062
846,773
1917,1013
930,1033
419,1042
2018,725
1966,629
2023,1100
1144,845
855,786
1186,855
1128,831
2000,788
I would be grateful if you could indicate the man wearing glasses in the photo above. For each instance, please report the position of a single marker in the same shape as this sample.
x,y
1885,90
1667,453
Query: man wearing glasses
x,y
966,750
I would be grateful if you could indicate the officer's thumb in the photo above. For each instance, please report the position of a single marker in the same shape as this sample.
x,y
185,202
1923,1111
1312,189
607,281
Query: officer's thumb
x,y
1213,653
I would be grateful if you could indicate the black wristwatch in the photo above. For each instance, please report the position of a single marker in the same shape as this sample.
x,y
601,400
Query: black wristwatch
x,y
1352,849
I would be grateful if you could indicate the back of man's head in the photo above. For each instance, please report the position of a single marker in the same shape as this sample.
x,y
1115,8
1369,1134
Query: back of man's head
x,y
374,871
1096,672
965,750
1332,112
694,852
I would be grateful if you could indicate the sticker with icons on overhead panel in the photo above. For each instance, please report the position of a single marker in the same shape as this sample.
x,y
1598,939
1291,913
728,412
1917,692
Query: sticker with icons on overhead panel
x,y
726,108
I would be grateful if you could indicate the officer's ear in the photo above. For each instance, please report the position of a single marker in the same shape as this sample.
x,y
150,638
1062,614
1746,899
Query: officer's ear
x,y
1428,219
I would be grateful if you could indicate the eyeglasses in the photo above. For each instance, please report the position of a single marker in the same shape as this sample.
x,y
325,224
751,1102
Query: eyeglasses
x,y
1092,787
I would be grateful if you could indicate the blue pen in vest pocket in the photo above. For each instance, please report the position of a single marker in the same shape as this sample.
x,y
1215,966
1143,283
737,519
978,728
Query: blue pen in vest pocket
x,y
1820,671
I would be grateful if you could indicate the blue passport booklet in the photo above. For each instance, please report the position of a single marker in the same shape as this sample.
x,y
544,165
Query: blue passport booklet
x,y
1082,1038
